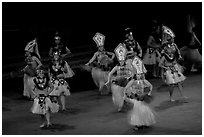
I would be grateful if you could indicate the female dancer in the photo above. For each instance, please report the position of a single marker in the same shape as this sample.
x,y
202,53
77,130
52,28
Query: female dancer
x,y
132,45
101,62
58,71
43,104
152,55
172,70
123,75
190,52
141,115
33,62
58,45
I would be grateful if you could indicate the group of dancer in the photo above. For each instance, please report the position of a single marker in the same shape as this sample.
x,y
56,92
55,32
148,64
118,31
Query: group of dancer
x,y
47,86
125,81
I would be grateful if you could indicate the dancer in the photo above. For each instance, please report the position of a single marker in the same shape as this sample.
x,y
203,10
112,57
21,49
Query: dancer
x,y
43,105
141,115
172,70
190,51
63,50
33,62
152,55
58,71
123,75
132,45
100,63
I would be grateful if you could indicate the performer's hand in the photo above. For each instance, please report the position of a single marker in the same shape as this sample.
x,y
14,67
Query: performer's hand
x,y
87,64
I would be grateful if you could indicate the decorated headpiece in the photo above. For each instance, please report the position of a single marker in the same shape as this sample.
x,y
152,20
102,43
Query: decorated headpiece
x,y
128,32
99,39
32,47
168,34
121,52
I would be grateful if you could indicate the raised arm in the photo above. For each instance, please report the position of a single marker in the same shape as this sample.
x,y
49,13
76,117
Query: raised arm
x,y
38,61
112,54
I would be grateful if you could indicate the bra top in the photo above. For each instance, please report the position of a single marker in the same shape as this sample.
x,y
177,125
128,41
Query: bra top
x,y
41,83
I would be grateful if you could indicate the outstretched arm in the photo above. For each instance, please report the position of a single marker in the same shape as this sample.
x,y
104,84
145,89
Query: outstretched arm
x,y
93,58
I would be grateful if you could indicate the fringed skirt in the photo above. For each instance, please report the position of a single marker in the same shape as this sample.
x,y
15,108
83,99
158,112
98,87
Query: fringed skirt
x,y
174,77
117,95
151,58
141,114
61,87
191,55
28,86
43,104
99,77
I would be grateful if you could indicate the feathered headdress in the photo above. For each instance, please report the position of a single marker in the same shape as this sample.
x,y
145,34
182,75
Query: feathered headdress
x,y
32,47
99,39
121,52
167,34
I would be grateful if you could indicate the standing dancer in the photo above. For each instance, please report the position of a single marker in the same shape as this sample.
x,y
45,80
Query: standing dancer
x,y
43,104
152,55
190,51
58,45
123,75
141,115
58,71
132,45
101,62
33,62
172,70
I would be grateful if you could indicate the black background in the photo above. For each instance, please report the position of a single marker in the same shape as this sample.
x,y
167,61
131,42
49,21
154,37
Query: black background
x,y
78,22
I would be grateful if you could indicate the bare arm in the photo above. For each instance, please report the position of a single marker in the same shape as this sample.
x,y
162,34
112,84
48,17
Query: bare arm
x,y
111,73
93,58
112,55
162,62
38,61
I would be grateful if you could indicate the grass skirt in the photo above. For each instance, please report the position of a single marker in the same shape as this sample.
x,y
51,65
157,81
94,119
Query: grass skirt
x,y
171,77
141,114
99,77
42,108
117,95
60,89
28,86
151,58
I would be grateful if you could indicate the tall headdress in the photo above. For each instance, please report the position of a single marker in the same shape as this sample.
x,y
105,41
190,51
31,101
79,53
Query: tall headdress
x,y
99,39
32,47
167,34
121,52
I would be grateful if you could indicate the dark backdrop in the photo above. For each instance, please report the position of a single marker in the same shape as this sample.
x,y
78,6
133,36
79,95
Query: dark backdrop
x,y
78,22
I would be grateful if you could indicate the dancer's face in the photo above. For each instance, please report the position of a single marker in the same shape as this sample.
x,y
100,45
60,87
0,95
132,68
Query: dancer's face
x,y
56,57
40,73
57,41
